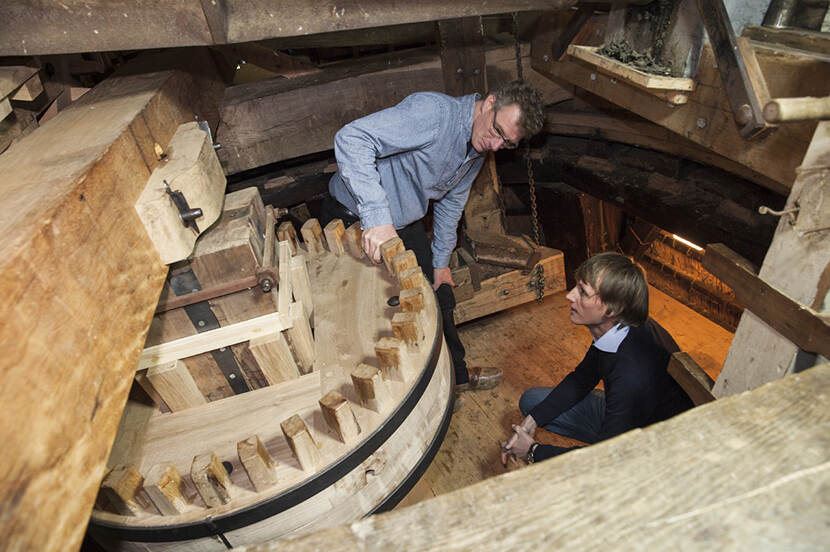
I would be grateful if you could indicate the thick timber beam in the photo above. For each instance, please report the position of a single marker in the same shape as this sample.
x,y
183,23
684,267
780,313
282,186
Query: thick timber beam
x,y
760,479
34,28
79,280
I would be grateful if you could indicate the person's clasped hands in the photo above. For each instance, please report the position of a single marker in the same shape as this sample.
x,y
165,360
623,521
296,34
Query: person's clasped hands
x,y
519,443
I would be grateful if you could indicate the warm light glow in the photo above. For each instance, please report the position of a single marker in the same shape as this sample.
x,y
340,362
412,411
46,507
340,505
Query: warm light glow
x,y
687,242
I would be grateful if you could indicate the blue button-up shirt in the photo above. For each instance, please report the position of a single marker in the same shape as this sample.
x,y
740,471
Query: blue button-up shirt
x,y
393,162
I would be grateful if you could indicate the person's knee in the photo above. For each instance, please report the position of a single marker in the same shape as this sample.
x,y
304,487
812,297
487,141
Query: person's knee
x,y
527,401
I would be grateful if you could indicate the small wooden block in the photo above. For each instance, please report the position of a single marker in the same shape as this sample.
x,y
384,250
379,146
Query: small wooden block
x,y
286,232
258,463
301,338
340,417
211,479
389,249
354,234
390,358
30,90
335,231
313,237
412,300
286,292
369,386
412,278
163,485
174,384
301,286
403,262
120,489
405,326
301,443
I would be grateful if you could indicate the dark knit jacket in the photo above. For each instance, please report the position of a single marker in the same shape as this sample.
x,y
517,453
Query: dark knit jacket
x,y
638,389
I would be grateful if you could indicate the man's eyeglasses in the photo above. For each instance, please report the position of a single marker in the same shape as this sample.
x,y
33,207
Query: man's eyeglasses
x,y
508,144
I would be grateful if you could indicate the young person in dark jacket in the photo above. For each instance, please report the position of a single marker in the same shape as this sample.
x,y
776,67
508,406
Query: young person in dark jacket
x,y
629,355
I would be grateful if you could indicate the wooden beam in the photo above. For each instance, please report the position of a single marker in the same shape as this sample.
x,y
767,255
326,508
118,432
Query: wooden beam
x,y
69,212
802,325
737,476
174,384
462,56
694,381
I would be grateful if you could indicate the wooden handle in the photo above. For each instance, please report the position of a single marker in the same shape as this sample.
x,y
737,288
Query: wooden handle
x,y
785,110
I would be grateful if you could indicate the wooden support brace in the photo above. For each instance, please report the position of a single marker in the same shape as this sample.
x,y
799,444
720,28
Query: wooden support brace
x,y
30,90
286,232
691,377
389,249
412,278
354,233
406,327
402,262
301,285
301,338
163,485
370,388
802,325
303,446
174,384
274,357
120,490
340,417
390,355
258,463
211,479
286,292
335,231
313,237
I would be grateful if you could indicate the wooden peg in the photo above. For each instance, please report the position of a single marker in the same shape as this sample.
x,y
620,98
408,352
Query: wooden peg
x,y
301,443
402,262
286,232
412,278
390,358
313,237
354,233
286,292
301,286
211,479
175,385
369,386
258,463
412,300
340,417
335,231
389,249
163,485
405,326
120,489
301,338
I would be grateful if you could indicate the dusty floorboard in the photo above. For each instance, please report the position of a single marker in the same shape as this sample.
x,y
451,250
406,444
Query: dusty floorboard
x,y
536,345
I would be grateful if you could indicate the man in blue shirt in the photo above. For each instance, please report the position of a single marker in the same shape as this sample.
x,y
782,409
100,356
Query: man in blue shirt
x,y
629,355
429,147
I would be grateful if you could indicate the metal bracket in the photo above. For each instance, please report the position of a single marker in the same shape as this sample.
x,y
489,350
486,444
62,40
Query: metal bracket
x,y
186,214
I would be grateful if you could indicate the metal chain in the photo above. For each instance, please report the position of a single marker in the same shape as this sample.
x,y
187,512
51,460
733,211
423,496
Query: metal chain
x,y
537,280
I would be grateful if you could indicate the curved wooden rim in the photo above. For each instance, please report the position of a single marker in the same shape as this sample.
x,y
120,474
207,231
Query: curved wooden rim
x,y
249,515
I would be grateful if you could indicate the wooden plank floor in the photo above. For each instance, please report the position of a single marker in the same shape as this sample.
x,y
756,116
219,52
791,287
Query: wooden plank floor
x,y
537,345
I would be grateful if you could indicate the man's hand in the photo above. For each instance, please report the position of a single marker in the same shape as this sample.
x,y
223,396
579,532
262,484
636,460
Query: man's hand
x,y
373,237
442,276
519,443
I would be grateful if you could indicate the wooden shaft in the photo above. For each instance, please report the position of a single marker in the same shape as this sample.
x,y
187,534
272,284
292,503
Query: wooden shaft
x,y
339,416
786,110
257,462
286,232
389,249
335,231
163,485
211,479
313,237
354,233
120,489
286,293
369,386
303,446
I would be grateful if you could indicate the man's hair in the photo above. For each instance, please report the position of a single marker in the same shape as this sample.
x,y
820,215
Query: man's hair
x,y
529,101
621,286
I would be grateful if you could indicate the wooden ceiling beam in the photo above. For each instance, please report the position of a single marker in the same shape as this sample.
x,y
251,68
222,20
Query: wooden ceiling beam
x,y
28,28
